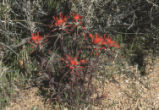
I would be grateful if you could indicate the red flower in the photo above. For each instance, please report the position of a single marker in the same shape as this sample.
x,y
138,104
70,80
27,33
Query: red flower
x,y
61,23
60,20
73,63
77,21
82,61
91,36
116,45
98,40
101,43
36,40
76,17
112,43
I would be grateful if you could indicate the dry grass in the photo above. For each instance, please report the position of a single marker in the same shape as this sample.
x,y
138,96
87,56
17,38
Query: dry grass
x,y
125,92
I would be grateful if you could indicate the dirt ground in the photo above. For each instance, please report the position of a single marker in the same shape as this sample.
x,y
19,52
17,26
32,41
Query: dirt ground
x,y
124,93
119,93
28,100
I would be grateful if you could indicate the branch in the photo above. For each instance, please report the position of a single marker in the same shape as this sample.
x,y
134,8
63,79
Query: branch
x,y
24,41
10,48
150,2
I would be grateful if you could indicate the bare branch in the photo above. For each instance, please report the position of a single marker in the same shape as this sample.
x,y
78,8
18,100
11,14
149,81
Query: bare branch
x,y
10,48
150,2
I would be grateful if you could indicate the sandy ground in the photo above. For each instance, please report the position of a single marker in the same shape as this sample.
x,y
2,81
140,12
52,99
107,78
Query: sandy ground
x,y
125,93
119,93
28,100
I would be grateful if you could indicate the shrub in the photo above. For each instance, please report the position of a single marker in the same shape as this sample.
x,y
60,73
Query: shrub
x,y
65,60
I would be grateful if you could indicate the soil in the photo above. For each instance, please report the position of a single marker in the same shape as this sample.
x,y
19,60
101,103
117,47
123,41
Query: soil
x,y
28,100
135,93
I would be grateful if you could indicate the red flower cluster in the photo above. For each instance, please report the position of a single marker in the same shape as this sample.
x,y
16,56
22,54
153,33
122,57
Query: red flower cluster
x,y
60,20
62,24
73,63
112,43
77,17
77,20
36,40
97,42
101,43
